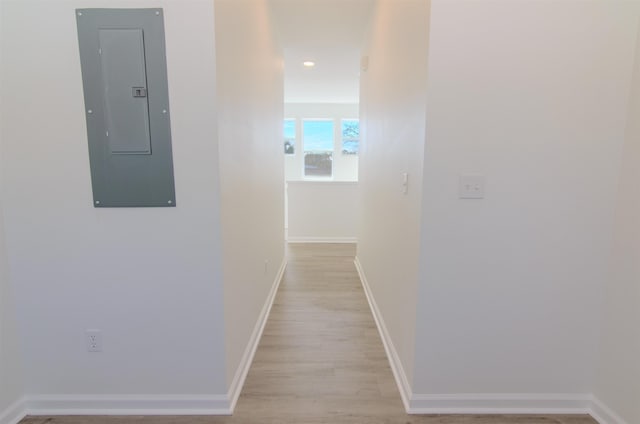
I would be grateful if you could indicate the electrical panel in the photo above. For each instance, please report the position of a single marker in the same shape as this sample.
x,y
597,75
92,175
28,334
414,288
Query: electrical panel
x,y
124,75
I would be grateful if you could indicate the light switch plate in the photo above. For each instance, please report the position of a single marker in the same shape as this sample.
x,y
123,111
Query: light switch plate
x,y
471,187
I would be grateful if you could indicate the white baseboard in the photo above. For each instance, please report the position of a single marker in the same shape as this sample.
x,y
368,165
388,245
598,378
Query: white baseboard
x,y
252,345
392,354
492,403
603,414
128,405
528,403
500,403
294,239
14,412
223,404
220,405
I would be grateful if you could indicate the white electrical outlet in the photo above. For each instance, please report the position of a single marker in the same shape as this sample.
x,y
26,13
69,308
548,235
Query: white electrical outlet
x,y
94,340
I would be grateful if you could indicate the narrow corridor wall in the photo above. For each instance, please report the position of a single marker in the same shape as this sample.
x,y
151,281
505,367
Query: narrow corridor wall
x,y
618,379
11,376
250,85
533,96
392,110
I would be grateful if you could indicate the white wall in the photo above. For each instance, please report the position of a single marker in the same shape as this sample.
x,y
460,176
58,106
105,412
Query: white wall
x,y
393,96
149,278
345,167
532,95
618,383
322,211
250,92
11,387
11,377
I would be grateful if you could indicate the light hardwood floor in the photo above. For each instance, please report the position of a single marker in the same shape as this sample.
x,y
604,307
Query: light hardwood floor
x,y
320,359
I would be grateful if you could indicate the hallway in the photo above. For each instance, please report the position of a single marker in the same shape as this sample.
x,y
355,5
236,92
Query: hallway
x,y
320,359
320,352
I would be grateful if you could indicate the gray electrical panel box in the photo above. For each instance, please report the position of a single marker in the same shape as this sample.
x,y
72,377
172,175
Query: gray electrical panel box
x,y
124,74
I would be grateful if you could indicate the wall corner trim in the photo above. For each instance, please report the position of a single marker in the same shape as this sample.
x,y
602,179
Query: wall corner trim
x,y
392,354
14,412
252,345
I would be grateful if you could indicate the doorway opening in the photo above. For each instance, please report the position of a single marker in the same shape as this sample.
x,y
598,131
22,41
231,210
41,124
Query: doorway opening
x,y
322,43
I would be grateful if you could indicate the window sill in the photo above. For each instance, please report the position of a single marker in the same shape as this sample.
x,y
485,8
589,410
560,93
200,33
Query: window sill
x,y
321,182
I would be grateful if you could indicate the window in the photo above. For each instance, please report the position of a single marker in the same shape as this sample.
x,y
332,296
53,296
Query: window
x,y
318,148
289,136
350,136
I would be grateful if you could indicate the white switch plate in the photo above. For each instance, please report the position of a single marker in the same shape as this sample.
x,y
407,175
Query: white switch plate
x,y
471,187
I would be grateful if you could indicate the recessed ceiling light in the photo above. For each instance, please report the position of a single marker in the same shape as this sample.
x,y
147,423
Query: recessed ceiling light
x,y
309,64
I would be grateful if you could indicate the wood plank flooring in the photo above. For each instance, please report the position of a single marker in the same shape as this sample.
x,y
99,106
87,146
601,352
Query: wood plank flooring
x,y
320,359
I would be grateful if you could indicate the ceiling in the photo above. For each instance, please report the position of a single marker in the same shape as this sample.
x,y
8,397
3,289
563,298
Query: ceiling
x,y
329,32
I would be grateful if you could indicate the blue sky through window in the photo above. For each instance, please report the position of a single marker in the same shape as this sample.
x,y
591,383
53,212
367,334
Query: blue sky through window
x,y
289,136
350,136
318,135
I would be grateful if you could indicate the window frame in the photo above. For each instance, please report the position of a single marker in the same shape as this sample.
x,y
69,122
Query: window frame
x,y
295,135
342,139
332,151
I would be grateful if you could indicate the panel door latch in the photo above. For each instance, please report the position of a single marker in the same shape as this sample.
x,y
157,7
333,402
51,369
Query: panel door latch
x,y
139,92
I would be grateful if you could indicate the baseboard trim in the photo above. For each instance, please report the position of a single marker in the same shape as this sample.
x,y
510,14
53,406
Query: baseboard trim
x,y
128,405
220,405
322,239
500,403
223,404
14,412
252,345
603,414
492,403
392,354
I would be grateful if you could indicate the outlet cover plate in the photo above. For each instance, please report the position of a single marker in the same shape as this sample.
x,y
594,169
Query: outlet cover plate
x,y
94,340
